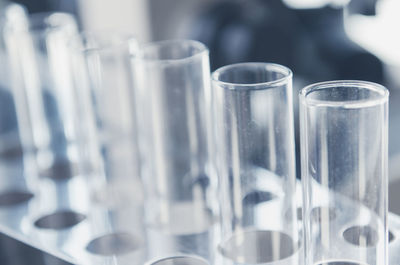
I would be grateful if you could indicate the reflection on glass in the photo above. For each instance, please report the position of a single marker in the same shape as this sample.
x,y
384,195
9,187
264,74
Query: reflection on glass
x,y
103,77
172,79
344,172
254,157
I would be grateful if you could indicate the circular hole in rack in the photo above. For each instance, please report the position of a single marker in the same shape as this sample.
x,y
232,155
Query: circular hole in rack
x,y
180,260
340,262
258,246
60,170
323,214
362,236
391,236
14,197
59,220
256,197
113,244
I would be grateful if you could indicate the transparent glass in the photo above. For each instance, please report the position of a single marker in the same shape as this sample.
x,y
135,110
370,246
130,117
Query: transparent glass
x,y
12,16
15,191
41,83
172,89
179,260
107,59
344,172
49,126
103,75
254,157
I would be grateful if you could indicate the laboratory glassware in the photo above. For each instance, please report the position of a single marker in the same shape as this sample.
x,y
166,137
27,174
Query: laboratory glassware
x,y
15,191
344,172
49,126
173,93
103,75
254,157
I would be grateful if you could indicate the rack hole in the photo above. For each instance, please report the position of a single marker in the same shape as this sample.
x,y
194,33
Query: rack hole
x,y
60,220
256,197
15,197
113,244
258,246
362,236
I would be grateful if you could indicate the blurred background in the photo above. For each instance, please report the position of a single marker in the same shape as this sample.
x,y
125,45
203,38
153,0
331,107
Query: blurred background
x,y
318,39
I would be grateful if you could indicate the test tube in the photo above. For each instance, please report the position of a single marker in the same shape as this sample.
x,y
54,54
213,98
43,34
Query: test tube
x,y
172,91
12,16
103,67
254,158
46,109
49,127
344,134
14,190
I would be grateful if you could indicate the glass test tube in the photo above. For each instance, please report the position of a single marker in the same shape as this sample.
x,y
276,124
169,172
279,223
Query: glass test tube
x,y
12,17
172,91
47,113
14,190
254,157
344,172
49,125
103,67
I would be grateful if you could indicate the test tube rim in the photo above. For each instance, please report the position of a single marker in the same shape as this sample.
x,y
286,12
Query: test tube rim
x,y
288,74
114,40
382,92
202,50
158,260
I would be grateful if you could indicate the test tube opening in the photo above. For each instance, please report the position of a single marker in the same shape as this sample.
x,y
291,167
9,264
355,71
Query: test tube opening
x,y
353,94
242,75
180,260
172,50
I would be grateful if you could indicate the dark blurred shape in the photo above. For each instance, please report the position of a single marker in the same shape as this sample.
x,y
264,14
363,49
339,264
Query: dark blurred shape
x,y
61,169
14,252
256,197
342,58
36,6
60,220
14,197
365,7
312,42
8,118
11,148
39,6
